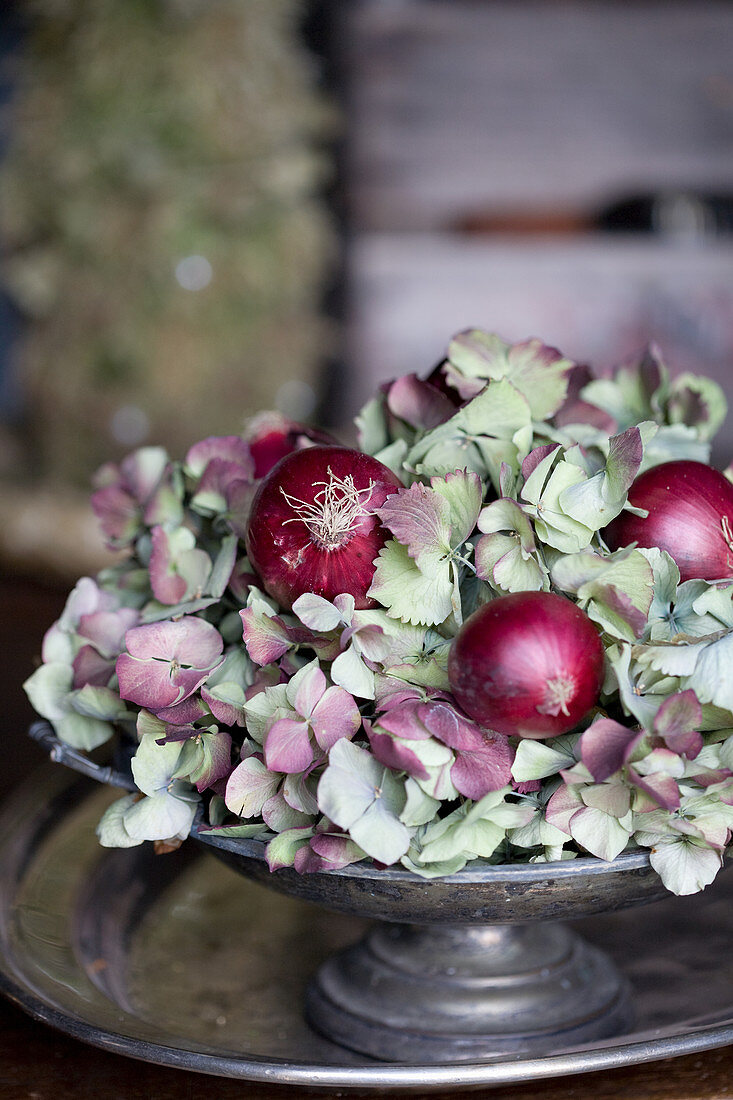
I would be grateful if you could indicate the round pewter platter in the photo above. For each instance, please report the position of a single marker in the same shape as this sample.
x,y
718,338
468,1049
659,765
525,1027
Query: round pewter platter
x,y
179,961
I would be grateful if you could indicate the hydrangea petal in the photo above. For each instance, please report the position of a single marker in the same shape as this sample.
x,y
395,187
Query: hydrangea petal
x,y
288,746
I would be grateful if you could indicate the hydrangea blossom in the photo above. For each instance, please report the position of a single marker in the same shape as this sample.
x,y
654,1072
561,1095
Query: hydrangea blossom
x,y
330,733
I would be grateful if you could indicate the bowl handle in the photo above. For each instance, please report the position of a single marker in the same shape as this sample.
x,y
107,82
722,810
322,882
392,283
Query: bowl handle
x,y
62,753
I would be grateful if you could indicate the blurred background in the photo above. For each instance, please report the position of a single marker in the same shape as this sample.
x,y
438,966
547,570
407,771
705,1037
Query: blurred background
x,y
210,207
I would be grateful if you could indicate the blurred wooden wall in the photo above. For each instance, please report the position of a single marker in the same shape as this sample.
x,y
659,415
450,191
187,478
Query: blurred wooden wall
x,y
489,146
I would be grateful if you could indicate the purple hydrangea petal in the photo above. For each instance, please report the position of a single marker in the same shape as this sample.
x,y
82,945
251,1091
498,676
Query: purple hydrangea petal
x,y
184,713
168,586
476,772
90,667
603,747
396,755
418,403
678,721
402,720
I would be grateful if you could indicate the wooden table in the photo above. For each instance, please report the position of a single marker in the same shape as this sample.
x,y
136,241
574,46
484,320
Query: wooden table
x,y
38,1063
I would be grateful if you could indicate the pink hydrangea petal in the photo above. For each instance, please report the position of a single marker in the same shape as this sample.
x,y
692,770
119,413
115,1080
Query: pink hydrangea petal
x,y
168,586
117,513
189,641
106,629
142,471
326,853
662,788
147,683
226,713
336,715
310,689
418,403
288,746
450,727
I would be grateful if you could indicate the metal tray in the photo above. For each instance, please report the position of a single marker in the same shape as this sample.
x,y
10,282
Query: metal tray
x,y
180,961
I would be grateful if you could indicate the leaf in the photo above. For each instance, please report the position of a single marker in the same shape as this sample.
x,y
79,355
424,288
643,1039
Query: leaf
x,y
406,592
419,519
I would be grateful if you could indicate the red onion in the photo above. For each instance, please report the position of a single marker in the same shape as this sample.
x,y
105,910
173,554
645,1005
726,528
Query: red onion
x,y
271,436
529,664
313,526
690,509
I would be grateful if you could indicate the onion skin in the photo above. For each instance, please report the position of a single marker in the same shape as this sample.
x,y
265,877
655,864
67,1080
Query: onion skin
x,y
690,509
291,553
527,665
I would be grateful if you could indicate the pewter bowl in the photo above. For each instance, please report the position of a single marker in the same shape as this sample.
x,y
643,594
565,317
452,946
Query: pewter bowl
x,y
471,967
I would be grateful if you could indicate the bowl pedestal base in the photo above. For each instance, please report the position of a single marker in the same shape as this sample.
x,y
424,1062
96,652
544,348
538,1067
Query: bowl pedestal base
x,y
457,993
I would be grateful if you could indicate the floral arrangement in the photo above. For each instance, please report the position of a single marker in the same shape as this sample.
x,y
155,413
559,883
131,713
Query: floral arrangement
x,y
482,636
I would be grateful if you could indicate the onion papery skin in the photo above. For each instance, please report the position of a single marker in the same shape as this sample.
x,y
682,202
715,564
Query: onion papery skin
x,y
690,509
288,556
527,665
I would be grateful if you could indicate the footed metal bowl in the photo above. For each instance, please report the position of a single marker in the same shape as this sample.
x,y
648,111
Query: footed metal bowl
x,y
472,967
